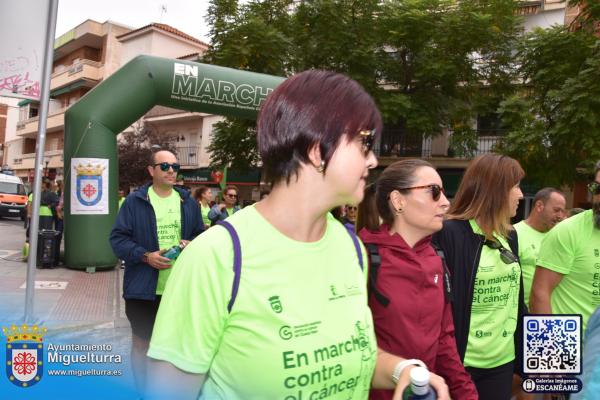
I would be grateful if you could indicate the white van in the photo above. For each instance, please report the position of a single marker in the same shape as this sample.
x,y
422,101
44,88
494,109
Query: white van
x,y
13,198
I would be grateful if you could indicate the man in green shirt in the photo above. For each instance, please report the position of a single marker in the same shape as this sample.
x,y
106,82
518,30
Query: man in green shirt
x,y
548,210
153,219
122,196
567,278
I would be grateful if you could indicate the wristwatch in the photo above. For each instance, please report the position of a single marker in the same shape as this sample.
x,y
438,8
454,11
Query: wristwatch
x,y
145,257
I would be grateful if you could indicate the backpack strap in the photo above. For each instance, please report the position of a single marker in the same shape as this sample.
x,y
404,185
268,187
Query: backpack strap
x,y
447,282
356,246
237,261
374,264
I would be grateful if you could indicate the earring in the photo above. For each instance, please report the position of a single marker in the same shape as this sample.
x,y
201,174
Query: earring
x,y
399,211
321,167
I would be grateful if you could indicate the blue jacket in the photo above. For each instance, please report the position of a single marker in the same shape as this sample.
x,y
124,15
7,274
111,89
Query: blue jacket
x,y
216,215
134,233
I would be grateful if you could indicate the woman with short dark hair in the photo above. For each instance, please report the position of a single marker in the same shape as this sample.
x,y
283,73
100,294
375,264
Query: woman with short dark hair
x,y
298,324
480,246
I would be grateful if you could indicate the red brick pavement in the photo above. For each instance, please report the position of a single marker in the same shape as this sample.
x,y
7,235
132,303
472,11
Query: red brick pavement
x,y
88,297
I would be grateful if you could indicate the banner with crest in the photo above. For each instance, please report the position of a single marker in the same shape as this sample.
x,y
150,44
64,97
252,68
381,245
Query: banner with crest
x,y
89,186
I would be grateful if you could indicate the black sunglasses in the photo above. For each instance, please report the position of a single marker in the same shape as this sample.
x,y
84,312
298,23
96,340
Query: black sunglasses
x,y
594,188
164,166
506,255
232,195
368,139
436,190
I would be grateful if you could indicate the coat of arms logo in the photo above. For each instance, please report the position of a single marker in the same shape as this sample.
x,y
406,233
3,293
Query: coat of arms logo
x,y
24,354
89,184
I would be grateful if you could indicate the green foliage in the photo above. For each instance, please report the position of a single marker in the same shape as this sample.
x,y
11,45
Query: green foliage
x,y
555,117
463,142
425,62
233,144
135,148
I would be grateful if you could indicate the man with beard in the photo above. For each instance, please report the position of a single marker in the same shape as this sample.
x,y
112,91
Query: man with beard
x,y
567,278
548,210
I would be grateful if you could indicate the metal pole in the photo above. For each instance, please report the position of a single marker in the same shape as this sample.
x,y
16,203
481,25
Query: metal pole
x,y
39,156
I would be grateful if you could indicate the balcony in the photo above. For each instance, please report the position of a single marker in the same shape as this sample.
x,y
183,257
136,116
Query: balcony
x,y
27,161
395,144
29,128
188,155
80,70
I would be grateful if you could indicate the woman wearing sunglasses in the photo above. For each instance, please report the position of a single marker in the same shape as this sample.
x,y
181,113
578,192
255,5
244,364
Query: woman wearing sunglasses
x,y
299,326
480,244
410,306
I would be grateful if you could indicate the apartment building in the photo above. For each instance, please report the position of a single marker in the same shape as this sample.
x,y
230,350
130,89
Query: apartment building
x,y
83,57
395,144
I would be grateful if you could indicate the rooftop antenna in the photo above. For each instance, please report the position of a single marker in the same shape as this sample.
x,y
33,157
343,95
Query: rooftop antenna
x,y
163,11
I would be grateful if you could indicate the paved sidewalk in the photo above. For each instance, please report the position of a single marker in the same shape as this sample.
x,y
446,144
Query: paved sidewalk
x,y
63,296
75,307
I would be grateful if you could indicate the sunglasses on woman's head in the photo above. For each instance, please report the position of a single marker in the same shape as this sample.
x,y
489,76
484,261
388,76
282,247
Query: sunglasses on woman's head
x,y
506,256
164,166
436,190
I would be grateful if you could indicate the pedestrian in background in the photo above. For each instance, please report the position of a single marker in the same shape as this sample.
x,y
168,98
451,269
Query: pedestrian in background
x,y
410,303
301,273
567,277
152,219
481,248
227,207
350,216
548,210
203,196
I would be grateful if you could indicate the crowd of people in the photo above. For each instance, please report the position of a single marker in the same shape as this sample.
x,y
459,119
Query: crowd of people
x,y
330,287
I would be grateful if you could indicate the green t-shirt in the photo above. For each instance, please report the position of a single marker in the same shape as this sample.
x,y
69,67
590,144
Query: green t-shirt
x,y
45,211
572,248
529,247
204,211
300,325
168,227
494,310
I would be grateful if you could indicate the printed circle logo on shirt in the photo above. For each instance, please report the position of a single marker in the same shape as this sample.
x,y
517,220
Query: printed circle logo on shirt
x,y
24,354
285,332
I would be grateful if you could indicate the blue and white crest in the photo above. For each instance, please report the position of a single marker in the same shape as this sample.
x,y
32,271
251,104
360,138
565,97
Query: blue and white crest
x,y
89,189
24,363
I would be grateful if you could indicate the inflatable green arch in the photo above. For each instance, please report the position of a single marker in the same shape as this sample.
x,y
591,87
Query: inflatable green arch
x,y
92,125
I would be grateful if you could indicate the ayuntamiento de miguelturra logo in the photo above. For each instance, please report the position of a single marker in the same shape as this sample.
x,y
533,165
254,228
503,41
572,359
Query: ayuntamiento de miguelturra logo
x,y
24,354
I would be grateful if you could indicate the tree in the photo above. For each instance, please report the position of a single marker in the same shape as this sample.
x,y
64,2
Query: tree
x,y
427,63
135,148
554,118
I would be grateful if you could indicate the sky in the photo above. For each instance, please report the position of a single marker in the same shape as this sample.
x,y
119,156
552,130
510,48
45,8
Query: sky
x,y
185,15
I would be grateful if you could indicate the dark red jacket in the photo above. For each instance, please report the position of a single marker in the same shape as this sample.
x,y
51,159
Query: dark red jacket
x,y
417,323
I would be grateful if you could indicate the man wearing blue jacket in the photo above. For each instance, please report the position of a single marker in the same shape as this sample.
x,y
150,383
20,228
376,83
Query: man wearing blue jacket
x,y
151,220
